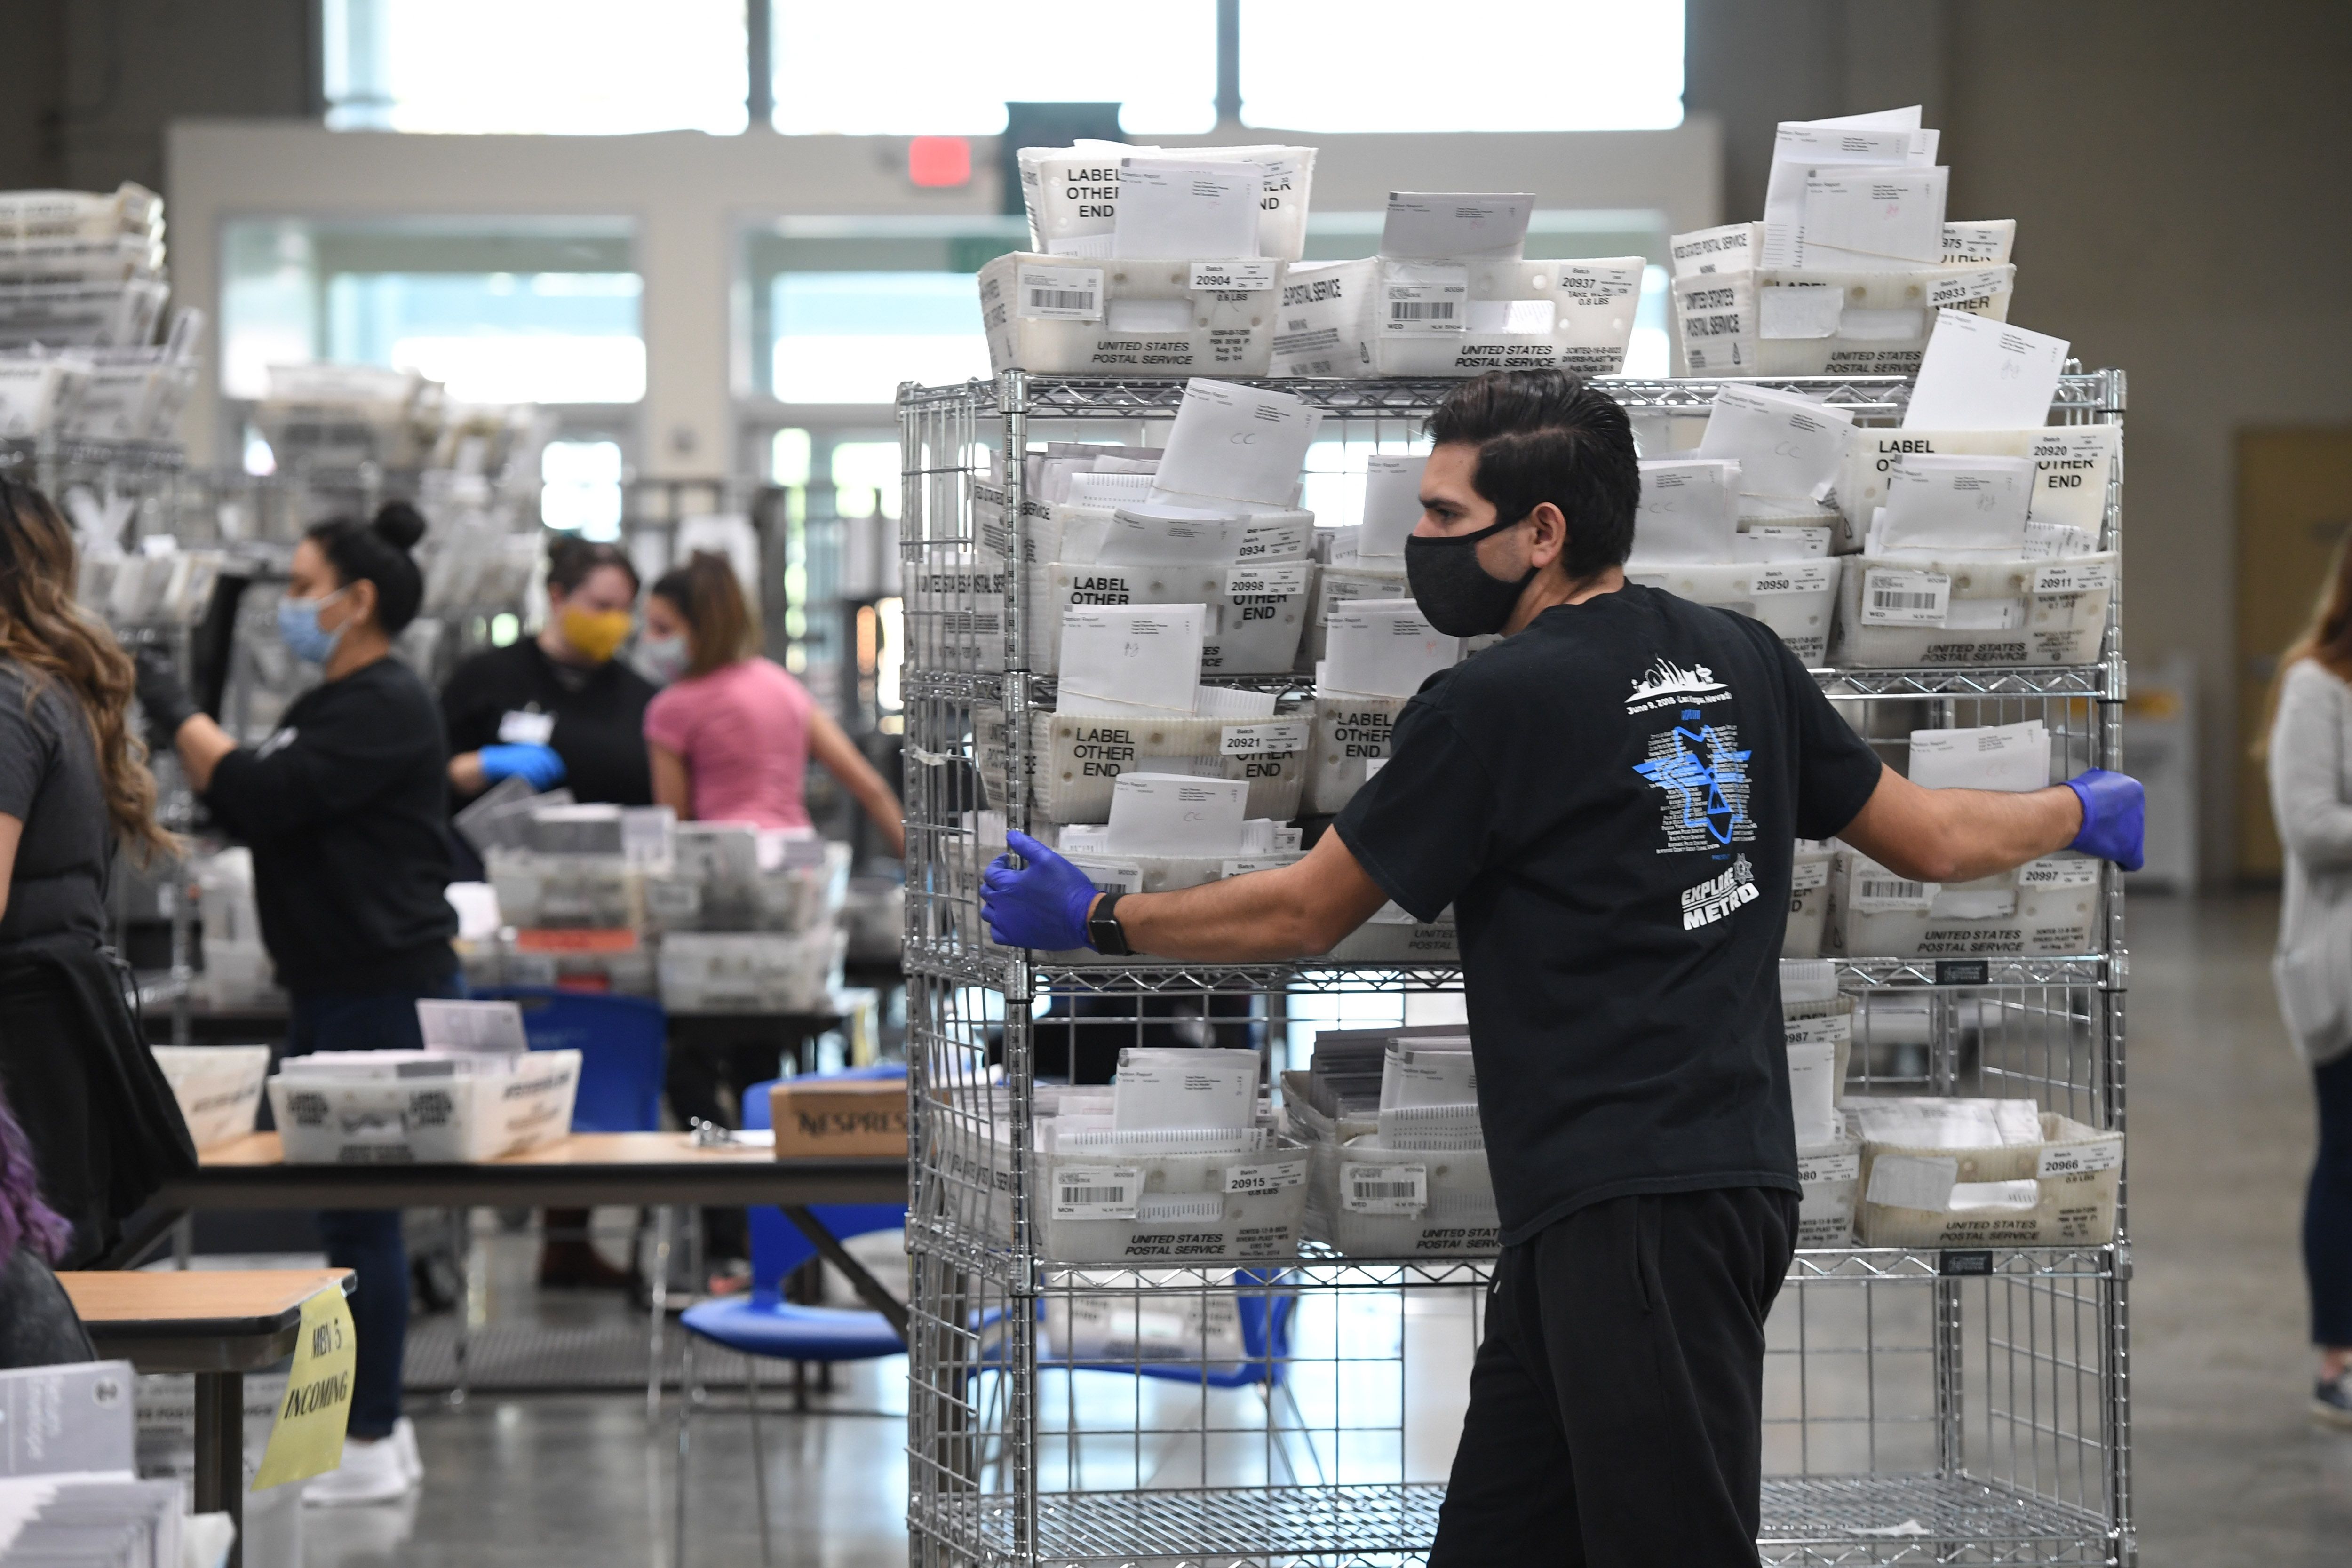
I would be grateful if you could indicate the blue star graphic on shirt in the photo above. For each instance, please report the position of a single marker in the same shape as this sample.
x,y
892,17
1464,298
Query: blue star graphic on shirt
x,y
1701,764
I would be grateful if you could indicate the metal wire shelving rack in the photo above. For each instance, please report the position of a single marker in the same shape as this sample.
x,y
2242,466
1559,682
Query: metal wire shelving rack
x,y
1922,1405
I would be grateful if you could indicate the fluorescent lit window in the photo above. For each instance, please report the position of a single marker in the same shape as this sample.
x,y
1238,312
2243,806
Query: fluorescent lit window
x,y
946,68
852,337
548,337
580,488
575,67
1649,353
866,478
1391,64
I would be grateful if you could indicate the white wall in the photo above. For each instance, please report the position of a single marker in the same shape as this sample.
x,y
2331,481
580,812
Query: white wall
x,y
688,193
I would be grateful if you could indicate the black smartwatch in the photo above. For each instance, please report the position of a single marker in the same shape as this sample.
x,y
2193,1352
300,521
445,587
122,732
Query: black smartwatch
x,y
1104,933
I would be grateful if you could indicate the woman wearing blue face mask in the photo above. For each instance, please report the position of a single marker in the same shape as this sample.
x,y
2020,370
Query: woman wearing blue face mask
x,y
345,808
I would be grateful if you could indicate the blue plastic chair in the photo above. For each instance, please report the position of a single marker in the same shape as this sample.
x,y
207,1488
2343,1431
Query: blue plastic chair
x,y
765,1325
622,1043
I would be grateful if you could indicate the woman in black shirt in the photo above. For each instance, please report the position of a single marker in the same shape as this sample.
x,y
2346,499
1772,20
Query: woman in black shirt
x,y
346,809
73,783
38,1326
559,707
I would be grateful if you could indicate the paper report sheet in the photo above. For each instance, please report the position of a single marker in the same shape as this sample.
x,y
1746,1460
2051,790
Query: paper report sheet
x,y
2010,757
1145,656
1451,226
1785,443
1176,813
1236,443
1391,503
1167,207
1982,374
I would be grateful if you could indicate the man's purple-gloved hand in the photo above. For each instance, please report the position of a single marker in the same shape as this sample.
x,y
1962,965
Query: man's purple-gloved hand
x,y
1044,905
2114,816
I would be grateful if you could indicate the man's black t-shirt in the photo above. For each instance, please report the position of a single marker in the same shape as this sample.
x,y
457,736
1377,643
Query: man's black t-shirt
x,y
599,718
346,807
1607,799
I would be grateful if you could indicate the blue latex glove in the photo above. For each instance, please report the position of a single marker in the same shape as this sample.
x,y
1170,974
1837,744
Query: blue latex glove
x,y
2114,816
1043,906
538,766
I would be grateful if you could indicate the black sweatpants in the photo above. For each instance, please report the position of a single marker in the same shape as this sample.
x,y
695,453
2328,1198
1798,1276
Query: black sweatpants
x,y
1616,1404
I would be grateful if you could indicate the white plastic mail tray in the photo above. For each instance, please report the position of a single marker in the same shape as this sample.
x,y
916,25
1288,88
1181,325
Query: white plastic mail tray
x,y
1256,614
1337,583
218,1087
1370,1202
1937,611
1796,598
955,610
2059,1190
1809,901
1378,316
1351,730
1060,315
1125,1204
422,1121
750,971
1758,323
2073,464
1079,758
1830,1175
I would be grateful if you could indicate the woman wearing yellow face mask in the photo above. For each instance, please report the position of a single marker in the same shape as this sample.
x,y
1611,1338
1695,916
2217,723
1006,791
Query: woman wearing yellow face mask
x,y
559,709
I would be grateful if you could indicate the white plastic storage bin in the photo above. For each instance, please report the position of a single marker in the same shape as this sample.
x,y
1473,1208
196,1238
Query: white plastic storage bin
x,y
578,959
1809,900
1796,598
1339,582
2059,1190
538,889
427,1122
1830,1174
1061,315
1370,1202
1898,614
1874,912
1255,612
1394,936
1350,729
2043,910
132,400
1341,319
218,1087
2073,464
1079,759
1125,1204
749,972
1776,322
80,316
39,395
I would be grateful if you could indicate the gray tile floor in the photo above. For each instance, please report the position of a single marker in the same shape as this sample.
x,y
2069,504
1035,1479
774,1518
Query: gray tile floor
x,y
2227,1469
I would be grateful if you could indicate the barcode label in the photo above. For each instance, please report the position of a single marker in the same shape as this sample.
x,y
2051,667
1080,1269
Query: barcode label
x,y
2079,1159
1278,738
1412,310
1875,892
1250,1179
1097,1192
1423,298
1384,1189
2073,576
1235,276
2060,872
1905,598
1109,876
1060,293
1821,1169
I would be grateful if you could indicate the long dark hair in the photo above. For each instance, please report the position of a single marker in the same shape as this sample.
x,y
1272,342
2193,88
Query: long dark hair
x,y
712,603
378,551
50,637
24,1219
2327,641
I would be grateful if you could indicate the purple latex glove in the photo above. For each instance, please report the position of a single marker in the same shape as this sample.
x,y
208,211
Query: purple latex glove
x,y
1043,906
2115,813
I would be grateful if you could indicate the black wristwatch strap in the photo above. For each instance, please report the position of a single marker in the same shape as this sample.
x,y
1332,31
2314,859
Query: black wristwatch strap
x,y
1104,933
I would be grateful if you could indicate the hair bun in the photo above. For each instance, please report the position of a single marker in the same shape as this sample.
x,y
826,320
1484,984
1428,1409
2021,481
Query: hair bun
x,y
399,524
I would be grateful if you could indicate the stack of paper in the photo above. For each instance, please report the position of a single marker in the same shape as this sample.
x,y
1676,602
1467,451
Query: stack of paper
x,y
1787,446
1382,648
1859,192
1931,1122
2010,757
1690,511
1195,1090
1946,506
1429,1094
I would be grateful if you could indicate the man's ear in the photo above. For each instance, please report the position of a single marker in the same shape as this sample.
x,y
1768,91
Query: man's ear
x,y
1548,543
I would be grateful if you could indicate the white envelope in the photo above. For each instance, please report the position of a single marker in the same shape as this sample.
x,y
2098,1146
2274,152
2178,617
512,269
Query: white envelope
x,y
1194,1088
1449,226
1690,510
1173,208
1872,220
1939,501
1236,443
1391,503
1145,656
1785,444
2010,757
1149,534
1382,648
1800,147
1981,374
1176,813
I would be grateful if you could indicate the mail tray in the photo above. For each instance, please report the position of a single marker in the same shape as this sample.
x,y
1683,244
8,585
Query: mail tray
x,y
1959,613
1059,315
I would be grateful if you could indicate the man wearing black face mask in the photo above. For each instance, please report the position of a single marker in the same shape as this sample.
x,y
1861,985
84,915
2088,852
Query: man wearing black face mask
x,y
1607,798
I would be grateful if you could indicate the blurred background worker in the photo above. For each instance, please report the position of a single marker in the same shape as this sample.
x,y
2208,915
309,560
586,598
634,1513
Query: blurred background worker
x,y
73,783
730,736
346,808
560,708
38,1326
733,733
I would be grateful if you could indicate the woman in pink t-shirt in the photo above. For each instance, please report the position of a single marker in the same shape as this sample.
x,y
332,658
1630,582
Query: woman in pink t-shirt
x,y
732,733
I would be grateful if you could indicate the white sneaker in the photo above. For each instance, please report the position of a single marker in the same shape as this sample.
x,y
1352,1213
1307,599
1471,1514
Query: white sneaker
x,y
403,1433
371,1472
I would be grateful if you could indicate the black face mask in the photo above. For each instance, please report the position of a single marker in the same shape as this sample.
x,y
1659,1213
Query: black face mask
x,y
1460,597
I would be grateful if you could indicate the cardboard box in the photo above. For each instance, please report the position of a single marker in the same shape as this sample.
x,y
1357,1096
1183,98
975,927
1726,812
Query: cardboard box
x,y
841,1118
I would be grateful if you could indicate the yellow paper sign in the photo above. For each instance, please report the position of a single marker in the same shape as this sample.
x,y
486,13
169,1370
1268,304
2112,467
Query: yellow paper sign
x,y
307,1439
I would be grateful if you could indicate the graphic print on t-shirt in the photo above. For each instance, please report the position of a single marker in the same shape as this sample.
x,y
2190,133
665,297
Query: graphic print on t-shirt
x,y
1718,896
1698,768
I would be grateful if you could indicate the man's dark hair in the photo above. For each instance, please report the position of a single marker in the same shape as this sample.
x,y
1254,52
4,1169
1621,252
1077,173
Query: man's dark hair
x,y
1548,436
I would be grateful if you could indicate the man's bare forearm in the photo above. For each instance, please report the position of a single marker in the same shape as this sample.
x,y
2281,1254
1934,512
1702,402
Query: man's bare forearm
x,y
1288,912
1961,834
